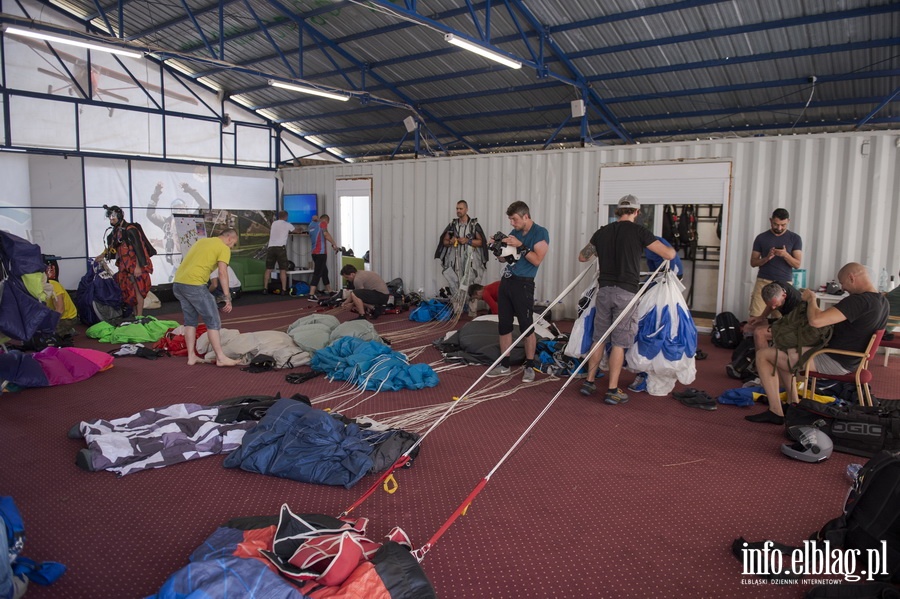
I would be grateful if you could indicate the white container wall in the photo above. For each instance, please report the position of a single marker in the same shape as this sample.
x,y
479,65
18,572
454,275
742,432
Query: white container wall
x,y
842,190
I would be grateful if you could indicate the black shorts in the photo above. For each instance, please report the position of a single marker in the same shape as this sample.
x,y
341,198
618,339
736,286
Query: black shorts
x,y
371,297
515,298
277,254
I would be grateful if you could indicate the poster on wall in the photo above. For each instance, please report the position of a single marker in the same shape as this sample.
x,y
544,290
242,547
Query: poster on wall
x,y
188,229
252,227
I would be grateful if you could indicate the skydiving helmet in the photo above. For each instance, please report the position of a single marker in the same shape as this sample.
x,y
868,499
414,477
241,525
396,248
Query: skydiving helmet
x,y
810,444
114,210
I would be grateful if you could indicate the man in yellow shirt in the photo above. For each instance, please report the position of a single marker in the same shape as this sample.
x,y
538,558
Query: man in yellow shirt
x,y
190,287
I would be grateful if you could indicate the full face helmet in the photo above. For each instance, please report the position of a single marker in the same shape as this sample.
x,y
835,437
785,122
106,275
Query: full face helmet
x,y
810,444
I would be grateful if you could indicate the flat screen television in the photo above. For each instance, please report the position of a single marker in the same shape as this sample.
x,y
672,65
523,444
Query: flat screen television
x,y
301,207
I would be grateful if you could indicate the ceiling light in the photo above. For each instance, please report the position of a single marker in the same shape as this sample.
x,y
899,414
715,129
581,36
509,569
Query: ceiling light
x,y
477,49
73,42
309,90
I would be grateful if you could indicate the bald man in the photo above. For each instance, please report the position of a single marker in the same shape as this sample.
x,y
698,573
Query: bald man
x,y
855,319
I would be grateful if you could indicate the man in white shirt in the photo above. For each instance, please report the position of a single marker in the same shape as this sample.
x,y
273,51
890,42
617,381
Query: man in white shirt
x,y
234,284
277,251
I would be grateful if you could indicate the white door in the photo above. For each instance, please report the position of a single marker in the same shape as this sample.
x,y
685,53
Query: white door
x,y
354,202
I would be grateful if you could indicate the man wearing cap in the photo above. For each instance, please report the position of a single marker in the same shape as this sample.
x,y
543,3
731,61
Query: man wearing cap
x,y
618,247
775,252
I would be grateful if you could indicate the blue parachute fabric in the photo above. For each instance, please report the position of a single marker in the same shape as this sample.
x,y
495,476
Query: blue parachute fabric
x,y
215,572
94,287
673,346
13,566
21,257
739,397
305,444
431,310
22,369
588,335
687,331
649,338
371,365
21,314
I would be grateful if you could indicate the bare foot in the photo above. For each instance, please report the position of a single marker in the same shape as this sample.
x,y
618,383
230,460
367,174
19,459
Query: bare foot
x,y
226,362
193,360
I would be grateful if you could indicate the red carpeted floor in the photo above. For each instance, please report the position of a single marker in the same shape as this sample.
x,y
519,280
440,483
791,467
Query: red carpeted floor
x,y
638,500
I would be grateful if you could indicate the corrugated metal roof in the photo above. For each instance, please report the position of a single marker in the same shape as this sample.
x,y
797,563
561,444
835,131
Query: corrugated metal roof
x,y
659,70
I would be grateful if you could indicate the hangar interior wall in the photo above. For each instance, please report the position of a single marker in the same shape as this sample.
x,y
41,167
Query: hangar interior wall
x,y
842,190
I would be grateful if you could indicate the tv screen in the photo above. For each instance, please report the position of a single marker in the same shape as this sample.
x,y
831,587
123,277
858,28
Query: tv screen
x,y
301,207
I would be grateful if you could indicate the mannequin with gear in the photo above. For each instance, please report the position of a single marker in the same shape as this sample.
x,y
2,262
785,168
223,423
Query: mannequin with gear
x,y
129,247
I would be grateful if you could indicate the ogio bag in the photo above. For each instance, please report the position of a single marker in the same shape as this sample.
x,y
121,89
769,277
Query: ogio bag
x,y
726,331
854,429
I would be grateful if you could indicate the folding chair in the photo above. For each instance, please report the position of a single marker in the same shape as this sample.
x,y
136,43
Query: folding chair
x,y
861,376
893,325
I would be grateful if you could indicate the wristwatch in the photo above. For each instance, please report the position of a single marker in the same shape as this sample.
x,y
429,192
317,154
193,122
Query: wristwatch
x,y
525,250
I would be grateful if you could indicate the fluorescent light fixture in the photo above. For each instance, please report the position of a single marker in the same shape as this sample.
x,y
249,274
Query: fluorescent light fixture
x,y
309,90
72,42
239,99
181,68
477,49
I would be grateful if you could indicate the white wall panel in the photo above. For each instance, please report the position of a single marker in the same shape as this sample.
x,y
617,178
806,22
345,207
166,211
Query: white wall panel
x,y
842,190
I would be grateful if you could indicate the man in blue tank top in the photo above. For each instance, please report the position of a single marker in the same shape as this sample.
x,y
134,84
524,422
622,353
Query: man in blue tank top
x,y
515,297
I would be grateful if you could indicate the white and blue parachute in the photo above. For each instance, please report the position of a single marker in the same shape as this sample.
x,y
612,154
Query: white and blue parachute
x,y
666,341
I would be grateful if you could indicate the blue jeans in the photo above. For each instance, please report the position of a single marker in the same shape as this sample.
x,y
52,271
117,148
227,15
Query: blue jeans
x,y
196,301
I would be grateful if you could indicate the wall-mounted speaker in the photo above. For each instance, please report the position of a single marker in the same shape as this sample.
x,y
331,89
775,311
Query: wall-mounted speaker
x,y
410,124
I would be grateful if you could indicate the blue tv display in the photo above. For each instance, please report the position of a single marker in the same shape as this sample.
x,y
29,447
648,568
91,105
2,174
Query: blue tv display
x,y
301,207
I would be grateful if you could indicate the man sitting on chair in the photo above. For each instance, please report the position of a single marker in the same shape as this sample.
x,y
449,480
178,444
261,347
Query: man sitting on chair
x,y
855,319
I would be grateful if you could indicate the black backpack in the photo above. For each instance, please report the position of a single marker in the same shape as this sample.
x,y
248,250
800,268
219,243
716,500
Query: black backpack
x,y
871,515
726,331
743,360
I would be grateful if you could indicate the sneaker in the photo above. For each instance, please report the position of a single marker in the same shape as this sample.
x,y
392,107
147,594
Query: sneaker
x,y
587,388
639,385
528,375
615,396
312,298
498,371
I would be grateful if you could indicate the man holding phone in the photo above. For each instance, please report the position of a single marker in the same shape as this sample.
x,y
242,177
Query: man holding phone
x,y
776,253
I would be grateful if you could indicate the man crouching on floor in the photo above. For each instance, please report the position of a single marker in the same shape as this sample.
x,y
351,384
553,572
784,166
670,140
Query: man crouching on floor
x,y
369,294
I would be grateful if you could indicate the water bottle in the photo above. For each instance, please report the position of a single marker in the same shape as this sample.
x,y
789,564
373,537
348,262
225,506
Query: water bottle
x,y
883,281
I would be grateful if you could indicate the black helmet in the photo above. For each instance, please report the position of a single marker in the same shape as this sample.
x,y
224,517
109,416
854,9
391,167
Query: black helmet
x,y
810,444
110,210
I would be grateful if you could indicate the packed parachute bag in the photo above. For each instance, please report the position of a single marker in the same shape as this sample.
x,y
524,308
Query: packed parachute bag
x,y
98,298
16,571
666,341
